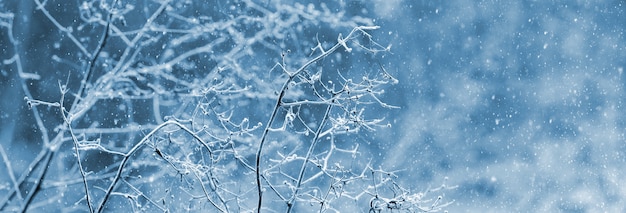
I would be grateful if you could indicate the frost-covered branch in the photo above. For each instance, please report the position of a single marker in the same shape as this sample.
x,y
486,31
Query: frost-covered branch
x,y
187,106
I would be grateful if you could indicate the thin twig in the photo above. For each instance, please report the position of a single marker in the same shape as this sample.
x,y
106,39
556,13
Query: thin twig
x,y
135,148
67,32
341,42
16,186
41,127
92,63
38,181
291,202
76,150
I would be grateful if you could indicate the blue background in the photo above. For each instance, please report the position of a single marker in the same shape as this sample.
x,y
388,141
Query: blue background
x,y
517,103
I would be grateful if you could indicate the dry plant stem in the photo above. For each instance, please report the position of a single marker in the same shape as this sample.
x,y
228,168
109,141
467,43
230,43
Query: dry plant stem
x,y
47,149
218,195
38,181
68,121
340,43
68,33
7,163
41,127
291,202
124,62
208,197
143,141
163,209
76,150
83,86
31,168
92,62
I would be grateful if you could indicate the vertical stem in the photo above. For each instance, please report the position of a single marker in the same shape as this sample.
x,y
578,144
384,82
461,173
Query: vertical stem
x,y
92,62
38,181
291,202
263,138
278,104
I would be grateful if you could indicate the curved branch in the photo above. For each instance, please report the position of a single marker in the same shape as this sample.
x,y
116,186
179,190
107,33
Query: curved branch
x,y
341,42
143,141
